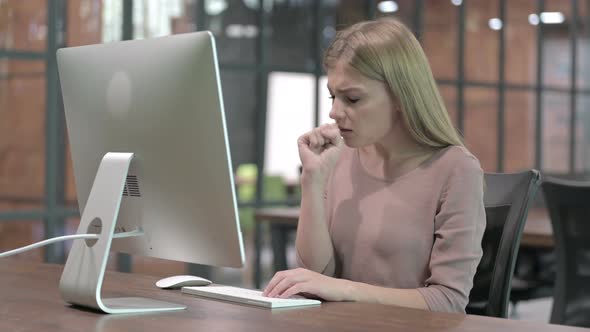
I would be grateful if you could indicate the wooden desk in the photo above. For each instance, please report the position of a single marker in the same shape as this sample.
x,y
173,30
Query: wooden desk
x,y
537,233
30,301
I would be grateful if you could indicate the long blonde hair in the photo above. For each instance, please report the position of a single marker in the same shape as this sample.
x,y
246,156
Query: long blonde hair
x,y
386,50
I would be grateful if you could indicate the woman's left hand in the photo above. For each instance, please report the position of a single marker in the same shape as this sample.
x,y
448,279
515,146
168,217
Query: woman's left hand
x,y
290,282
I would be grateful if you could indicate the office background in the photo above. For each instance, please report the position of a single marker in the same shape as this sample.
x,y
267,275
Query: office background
x,y
514,75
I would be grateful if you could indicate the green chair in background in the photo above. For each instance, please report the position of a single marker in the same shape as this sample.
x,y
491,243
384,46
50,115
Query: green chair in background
x,y
274,190
246,175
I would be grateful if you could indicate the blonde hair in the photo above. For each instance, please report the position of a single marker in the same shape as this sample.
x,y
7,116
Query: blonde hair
x,y
386,50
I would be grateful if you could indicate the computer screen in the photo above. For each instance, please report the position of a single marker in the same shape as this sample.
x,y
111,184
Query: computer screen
x,y
154,108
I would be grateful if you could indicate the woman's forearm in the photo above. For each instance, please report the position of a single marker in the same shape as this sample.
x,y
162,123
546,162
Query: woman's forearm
x,y
313,242
409,298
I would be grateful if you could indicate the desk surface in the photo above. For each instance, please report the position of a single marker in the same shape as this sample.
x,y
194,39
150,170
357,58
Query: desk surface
x,y
30,301
537,230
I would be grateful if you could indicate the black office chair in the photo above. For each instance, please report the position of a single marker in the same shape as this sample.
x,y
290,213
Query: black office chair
x,y
507,198
534,275
568,203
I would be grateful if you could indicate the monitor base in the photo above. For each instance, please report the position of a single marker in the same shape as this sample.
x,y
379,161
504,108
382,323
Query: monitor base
x,y
82,277
140,304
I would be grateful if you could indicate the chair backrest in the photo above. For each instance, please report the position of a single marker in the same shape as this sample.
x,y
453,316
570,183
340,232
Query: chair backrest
x,y
568,203
507,198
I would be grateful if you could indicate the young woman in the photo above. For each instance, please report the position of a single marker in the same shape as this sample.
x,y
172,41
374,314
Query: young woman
x,y
392,202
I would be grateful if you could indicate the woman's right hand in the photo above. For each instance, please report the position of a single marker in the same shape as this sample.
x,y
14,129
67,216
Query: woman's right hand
x,y
319,150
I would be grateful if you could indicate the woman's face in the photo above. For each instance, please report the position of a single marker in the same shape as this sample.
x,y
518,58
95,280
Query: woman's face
x,y
363,108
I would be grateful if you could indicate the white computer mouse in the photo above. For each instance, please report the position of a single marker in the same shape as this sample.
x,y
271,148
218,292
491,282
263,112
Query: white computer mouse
x,y
181,281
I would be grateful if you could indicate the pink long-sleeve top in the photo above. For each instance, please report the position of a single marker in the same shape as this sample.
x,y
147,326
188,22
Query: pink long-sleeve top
x,y
422,230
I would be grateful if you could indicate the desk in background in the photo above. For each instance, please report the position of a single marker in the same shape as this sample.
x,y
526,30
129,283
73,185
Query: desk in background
x,y
30,301
537,233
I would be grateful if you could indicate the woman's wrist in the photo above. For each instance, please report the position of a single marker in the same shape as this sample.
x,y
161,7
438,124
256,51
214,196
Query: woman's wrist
x,y
350,290
313,180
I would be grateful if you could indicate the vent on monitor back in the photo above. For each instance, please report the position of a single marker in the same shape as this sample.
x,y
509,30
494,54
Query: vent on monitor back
x,y
131,188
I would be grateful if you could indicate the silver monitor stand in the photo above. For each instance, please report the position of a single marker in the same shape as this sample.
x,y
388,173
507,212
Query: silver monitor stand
x,y
82,277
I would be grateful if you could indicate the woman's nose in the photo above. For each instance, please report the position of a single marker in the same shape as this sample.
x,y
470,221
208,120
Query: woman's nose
x,y
336,111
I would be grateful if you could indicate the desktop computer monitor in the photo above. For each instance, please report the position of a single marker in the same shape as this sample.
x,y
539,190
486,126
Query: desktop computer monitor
x,y
150,152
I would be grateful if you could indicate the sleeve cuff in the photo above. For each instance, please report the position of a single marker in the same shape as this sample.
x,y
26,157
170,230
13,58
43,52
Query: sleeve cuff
x,y
439,300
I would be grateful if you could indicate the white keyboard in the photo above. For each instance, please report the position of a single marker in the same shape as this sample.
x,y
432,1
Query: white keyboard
x,y
247,296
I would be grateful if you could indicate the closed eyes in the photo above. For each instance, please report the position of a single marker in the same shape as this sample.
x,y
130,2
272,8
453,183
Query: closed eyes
x,y
348,99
